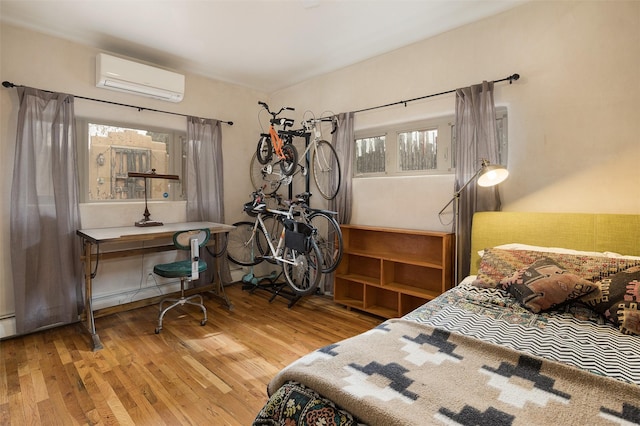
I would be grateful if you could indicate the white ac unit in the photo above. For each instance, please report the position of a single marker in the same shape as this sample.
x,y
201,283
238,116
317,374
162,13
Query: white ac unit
x,y
140,79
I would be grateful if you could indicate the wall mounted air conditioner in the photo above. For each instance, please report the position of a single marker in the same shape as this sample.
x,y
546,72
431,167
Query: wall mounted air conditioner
x,y
139,79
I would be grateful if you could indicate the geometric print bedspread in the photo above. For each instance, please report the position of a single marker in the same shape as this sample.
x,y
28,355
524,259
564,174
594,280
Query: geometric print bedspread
x,y
406,373
577,336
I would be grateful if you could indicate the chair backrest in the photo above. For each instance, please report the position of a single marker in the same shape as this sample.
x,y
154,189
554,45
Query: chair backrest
x,y
182,239
192,240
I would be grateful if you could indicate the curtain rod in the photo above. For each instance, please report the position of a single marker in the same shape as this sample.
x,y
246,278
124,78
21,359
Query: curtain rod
x,y
510,79
8,84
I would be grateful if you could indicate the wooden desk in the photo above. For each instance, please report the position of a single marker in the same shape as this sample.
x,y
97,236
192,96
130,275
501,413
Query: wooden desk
x,y
92,238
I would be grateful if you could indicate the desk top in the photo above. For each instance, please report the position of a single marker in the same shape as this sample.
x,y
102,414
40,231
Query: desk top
x,y
137,233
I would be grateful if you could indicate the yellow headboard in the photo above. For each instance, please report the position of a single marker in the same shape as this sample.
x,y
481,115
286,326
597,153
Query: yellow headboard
x,y
619,233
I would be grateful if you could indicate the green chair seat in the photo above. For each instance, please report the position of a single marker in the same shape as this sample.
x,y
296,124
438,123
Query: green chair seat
x,y
178,269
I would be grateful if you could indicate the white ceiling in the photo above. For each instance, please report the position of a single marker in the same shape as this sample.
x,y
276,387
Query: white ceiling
x,y
262,44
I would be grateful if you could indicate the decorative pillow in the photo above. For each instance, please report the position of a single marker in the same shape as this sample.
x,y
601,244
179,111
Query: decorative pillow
x,y
497,264
617,297
544,285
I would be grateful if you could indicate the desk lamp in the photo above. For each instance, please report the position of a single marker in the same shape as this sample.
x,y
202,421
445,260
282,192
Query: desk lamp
x,y
149,175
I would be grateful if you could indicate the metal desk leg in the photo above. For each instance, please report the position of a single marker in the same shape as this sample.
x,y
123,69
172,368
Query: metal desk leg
x,y
219,288
88,307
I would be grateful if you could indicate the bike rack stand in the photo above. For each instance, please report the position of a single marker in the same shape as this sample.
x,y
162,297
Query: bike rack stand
x,y
253,283
272,285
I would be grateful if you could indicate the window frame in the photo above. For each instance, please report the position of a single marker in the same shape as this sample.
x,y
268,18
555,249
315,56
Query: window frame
x,y
445,144
392,160
176,150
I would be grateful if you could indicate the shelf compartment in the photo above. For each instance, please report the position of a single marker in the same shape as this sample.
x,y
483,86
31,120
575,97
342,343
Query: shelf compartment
x,y
408,303
407,276
381,301
350,293
421,247
360,268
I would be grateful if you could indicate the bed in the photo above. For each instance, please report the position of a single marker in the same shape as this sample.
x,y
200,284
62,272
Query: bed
x,y
545,331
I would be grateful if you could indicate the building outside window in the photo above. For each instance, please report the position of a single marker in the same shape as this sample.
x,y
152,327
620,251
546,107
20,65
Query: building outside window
x,y
113,151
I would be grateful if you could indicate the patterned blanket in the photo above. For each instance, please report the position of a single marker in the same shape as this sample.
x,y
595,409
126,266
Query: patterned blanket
x,y
405,373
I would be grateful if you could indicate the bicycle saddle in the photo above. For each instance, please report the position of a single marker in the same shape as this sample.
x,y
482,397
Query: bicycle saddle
x,y
252,208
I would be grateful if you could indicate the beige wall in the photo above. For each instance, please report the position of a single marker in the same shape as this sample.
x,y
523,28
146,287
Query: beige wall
x,y
32,59
574,119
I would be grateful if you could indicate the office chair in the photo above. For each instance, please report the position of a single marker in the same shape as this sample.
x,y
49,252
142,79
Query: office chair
x,y
186,270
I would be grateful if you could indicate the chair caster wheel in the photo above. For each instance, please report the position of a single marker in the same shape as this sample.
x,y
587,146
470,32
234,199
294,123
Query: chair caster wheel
x,y
203,322
158,330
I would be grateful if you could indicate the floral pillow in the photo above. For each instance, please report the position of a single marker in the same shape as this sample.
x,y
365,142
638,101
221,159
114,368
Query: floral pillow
x,y
497,264
544,285
617,297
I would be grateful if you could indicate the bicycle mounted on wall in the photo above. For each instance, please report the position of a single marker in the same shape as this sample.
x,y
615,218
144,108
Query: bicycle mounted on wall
x,y
276,159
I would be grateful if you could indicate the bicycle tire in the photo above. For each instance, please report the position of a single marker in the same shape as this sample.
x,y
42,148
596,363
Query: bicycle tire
x,y
261,177
304,276
328,239
289,164
264,149
325,168
220,245
274,228
242,248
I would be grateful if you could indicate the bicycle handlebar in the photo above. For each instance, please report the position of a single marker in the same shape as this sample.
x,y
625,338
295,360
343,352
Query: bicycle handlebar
x,y
274,114
311,123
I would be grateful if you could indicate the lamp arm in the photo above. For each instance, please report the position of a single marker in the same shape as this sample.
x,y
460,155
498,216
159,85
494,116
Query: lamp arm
x,y
459,191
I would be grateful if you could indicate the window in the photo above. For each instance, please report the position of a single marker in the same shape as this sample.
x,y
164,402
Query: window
x,y
112,151
418,148
406,149
370,155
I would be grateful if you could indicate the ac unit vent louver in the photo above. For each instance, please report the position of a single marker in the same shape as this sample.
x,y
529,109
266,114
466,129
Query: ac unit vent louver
x,y
139,79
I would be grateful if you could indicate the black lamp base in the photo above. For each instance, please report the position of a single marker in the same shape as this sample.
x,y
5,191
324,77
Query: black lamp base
x,y
144,223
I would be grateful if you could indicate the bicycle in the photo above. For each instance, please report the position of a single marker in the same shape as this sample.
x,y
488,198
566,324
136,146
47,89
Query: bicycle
x,y
296,250
325,166
279,142
328,234
322,157
266,177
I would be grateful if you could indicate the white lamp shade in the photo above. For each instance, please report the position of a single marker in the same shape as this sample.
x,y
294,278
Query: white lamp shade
x,y
492,175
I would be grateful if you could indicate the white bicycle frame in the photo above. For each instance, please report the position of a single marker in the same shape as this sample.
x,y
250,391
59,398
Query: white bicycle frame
x,y
278,251
313,126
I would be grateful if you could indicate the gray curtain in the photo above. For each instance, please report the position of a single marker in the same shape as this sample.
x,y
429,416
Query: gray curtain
x,y
476,140
204,182
343,143
45,252
343,140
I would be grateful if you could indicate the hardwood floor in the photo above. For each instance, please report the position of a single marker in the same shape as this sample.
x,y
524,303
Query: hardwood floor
x,y
186,375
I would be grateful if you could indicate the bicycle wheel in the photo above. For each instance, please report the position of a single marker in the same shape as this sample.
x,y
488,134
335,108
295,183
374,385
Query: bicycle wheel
x,y
304,274
264,150
263,176
220,245
325,169
274,228
328,238
289,163
242,248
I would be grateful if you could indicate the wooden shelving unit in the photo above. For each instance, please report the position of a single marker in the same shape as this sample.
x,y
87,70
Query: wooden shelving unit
x,y
389,271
